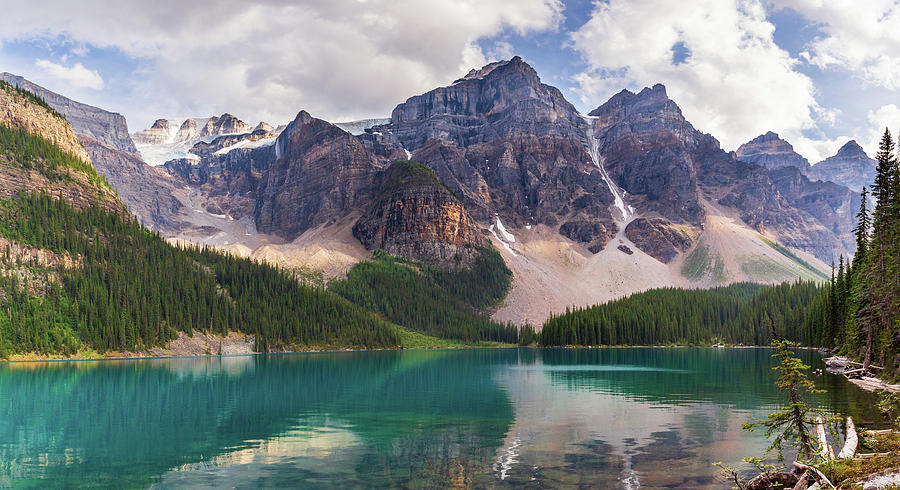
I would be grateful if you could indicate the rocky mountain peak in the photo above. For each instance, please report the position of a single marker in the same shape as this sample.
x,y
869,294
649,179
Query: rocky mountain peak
x,y
851,149
160,124
319,173
771,151
503,88
850,166
514,64
657,92
264,126
649,110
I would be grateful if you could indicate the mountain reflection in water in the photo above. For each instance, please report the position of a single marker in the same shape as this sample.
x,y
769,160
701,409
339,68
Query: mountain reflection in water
x,y
603,418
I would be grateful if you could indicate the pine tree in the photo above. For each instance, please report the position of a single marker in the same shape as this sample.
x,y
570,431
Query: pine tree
x,y
863,225
877,301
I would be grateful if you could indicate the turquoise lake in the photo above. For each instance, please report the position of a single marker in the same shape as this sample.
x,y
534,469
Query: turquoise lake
x,y
484,418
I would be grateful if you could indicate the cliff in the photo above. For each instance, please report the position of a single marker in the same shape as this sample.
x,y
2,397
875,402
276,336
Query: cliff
x,y
850,167
416,216
319,173
106,127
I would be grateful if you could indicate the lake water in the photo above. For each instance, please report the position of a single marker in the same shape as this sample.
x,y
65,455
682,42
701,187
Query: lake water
x,y
602,418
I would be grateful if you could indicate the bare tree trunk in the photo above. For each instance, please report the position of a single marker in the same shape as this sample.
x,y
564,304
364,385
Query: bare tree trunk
x,y
868,358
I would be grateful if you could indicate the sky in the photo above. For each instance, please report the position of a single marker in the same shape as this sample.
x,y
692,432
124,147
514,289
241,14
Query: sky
x,y
817,72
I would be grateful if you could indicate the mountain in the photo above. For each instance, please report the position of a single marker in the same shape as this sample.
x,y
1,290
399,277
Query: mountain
x,y
770,151
157,134
78,274
178,131
681,175
850,167
104,135
582,208
511,147
106,127
319,174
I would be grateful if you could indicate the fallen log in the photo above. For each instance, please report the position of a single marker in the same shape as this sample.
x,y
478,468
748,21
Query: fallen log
x,y
879,431
851,441
820,476
871,455
825,451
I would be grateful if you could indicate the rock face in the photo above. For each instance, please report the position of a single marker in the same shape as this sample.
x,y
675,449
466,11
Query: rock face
x,y
672,171
18,111
156,135
416,216
104,126
146,192
850,167
80,188
149,192
319,173
651,151
507,144
214,126
770,151
658,238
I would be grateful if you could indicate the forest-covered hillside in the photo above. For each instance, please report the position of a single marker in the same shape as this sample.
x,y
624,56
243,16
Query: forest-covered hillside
x,y
443,303
738,314
77,272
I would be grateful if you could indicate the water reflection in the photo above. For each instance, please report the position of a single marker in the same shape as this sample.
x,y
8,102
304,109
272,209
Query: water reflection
x,y
478,418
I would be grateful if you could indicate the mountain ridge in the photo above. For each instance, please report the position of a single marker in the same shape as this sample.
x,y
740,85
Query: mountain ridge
x,y
632,189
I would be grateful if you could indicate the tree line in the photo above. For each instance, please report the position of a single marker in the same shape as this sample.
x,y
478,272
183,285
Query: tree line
x,y
736,314
859,312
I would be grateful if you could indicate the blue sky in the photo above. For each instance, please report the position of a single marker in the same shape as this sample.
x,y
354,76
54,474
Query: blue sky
x,y
816,74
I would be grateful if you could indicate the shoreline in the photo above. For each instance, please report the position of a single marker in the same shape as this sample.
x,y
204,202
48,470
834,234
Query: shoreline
x,y
169,354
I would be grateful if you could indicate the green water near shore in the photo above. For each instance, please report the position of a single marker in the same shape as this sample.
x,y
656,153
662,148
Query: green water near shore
x,y
604,418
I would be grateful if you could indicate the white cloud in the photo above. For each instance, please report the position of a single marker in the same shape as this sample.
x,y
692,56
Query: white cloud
x,y
737,82
76,75
886,116
267,59
861,37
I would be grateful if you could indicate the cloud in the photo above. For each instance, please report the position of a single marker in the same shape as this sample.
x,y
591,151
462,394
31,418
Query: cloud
x,y
886,116
862,38
267,59
736,82
76,75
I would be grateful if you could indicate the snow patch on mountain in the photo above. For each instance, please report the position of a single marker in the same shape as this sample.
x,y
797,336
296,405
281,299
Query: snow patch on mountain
x,y
626,211
505,237
247,144
359,127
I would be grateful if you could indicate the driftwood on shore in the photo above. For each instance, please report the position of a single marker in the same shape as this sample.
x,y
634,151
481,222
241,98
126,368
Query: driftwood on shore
x,y
825,451
822,479
850,442
863,378
871,455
